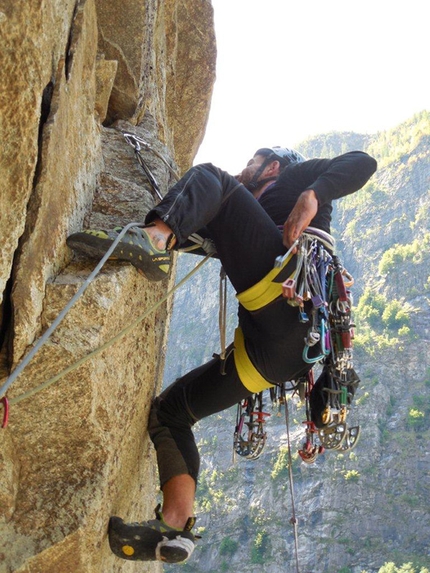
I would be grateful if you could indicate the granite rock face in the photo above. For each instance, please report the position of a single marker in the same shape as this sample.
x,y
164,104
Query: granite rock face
x,y
165,53
75,77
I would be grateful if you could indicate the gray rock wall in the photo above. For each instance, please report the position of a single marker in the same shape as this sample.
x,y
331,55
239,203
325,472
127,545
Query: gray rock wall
x,y
74,77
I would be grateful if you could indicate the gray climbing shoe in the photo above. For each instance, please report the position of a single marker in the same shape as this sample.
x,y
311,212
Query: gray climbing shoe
x,y
151,540
135,246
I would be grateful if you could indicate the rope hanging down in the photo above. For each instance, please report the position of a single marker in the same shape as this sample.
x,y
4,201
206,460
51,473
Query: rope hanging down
x,y
293,519
104,346
63,313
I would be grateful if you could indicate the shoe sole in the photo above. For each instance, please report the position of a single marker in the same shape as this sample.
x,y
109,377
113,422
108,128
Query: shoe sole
x,y
174,550
95,247
140,543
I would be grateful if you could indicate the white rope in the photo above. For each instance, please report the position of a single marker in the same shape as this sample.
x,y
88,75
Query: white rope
x,y
41,341
110,342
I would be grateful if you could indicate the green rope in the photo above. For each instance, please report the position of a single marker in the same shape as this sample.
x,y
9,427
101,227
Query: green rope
x,y
110,342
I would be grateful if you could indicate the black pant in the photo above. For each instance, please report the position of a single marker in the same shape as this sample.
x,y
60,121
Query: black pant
x,y
247,243
246,238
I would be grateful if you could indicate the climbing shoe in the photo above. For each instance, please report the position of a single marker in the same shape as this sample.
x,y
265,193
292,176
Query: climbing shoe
x,y
151,540
135,246
330,394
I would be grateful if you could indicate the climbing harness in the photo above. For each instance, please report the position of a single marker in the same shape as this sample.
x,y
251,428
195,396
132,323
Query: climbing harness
x,y
318,287
137,143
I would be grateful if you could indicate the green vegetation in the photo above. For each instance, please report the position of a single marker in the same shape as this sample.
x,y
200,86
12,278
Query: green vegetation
x,y
380,313
383,323
228,546
370,196
260,547
414,253
411,500
211,491
260,517
391,567
422,216
416,418
396,143
332,144
427,378
362,399
352,476
419,413
280,466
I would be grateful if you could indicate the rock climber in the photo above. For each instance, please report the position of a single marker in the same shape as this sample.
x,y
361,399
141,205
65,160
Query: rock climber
x,y
251,219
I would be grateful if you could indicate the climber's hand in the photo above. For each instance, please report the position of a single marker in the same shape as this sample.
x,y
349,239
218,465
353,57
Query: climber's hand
x,y
300,217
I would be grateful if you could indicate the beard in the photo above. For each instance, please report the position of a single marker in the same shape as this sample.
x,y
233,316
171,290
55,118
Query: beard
x,y
246,178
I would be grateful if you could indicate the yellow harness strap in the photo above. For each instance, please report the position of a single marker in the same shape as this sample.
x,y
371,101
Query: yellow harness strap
x,y
248,374
265,291
259,295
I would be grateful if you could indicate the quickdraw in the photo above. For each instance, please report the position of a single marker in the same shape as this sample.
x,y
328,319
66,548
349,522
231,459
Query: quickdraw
x,y
310,450
137,143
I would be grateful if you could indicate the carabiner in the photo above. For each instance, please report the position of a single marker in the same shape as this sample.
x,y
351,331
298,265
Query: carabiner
x,y
325,338
132,140
312,338
349,278
289,288
310,360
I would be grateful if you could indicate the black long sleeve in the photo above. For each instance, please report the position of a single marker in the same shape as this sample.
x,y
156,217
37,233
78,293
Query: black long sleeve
x,y
329,178
346,174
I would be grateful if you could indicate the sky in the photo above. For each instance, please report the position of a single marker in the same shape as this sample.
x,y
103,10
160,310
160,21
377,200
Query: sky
x,y
289,70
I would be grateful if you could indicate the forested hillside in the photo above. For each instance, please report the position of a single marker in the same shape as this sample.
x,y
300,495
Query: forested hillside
x,y
365,511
